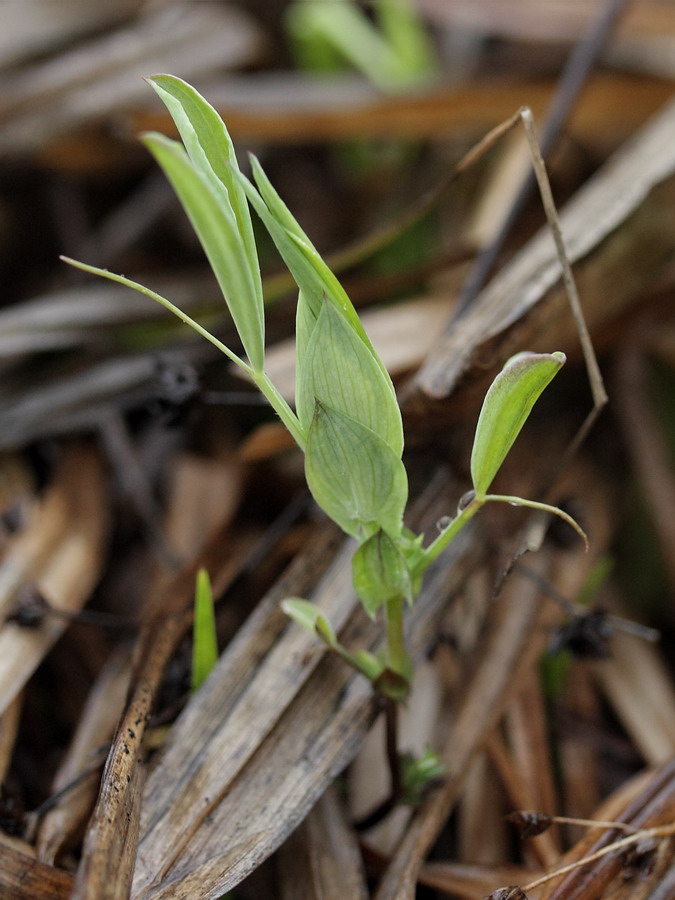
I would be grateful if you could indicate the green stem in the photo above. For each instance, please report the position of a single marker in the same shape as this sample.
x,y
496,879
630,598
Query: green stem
x,y
281,407
398,659
434,550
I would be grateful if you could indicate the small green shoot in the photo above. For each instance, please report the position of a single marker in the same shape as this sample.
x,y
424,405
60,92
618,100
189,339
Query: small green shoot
x,y
204,641
418,773
394,52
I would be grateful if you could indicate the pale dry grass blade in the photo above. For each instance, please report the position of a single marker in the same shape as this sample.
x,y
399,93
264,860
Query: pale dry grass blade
x,y
321,859
77,778
105,74
61,556
595,212
202,505
527,733
482,832
639,686
266,734
580,755
9,726
25,878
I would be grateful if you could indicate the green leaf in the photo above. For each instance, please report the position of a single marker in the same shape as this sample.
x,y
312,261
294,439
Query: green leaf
x,y
211,151
506,407
204,641
310,617
354,476
339,371
380,573
313,277
218,232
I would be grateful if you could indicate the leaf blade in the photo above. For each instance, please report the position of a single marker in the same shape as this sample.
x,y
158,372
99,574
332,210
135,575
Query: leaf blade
x,y
354,476
339,370
505,409
219,236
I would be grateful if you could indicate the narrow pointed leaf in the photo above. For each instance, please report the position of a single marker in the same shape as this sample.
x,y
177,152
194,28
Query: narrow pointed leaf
x,y
204,641
339,371
380,573
211,151
219,235
311,274
506,407
354,476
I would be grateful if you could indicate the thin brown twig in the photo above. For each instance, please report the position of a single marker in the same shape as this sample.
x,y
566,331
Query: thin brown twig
x,y
658,831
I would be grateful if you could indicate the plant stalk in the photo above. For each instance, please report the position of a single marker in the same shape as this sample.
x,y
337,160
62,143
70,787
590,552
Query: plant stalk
x,y
398,659
437,546
280,406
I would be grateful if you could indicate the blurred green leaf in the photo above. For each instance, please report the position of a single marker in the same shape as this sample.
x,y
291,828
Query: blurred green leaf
x,y
309,616
354,476
506,407
204,640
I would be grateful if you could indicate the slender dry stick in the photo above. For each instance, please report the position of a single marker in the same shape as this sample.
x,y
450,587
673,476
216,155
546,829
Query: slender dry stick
x,y
598,391
658,831
580,63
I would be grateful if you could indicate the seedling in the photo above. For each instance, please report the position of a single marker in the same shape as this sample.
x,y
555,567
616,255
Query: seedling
x,y
346,418
394,52
204,641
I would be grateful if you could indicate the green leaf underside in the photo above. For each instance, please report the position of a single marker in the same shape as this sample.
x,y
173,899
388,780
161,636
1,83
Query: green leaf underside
x,y
204,644
380,573
354,476
339,371
211,151
506,407
219,235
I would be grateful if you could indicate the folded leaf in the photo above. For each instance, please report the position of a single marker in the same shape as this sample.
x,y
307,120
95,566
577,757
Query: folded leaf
x,y
308,614
506,407
380,573
218,232
354,475
211,151
313,277
340,371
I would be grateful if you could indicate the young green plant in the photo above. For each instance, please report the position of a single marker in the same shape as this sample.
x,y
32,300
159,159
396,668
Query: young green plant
x,y
394,51
346,418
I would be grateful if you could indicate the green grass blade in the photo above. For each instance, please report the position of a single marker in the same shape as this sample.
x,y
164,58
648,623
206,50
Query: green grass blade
x,y
218,233
204,641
